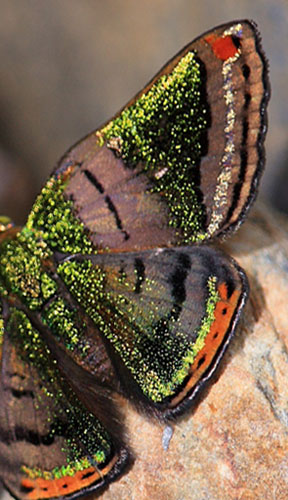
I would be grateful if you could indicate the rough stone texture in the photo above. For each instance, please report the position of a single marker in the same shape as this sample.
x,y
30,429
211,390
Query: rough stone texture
x,y
235,444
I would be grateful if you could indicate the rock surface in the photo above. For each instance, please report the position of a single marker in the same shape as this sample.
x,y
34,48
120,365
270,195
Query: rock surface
x,y
234,446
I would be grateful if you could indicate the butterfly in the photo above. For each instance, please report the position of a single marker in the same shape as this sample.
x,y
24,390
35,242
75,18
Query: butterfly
x,y
111,287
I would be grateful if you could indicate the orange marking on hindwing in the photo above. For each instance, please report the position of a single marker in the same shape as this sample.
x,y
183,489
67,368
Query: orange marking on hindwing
x,y
223,315
223,47
41,488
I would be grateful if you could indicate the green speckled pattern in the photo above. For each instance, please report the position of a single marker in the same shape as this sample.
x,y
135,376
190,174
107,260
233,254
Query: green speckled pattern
x,y
25,262
164,131
151,339
53,215
83,439
63,324
21,270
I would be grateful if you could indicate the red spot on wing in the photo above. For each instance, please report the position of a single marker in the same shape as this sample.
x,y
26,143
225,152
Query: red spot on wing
x,y
223,47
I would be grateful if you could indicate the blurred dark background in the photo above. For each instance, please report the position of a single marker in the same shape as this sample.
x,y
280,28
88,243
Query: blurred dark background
x,y
67,66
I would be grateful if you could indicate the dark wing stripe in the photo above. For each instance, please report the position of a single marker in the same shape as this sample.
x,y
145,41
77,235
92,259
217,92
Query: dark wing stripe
x,y
118,221
91,177
140,274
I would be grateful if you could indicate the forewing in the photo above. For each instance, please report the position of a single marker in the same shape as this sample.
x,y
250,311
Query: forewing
x,y
181,162
167,316
51,446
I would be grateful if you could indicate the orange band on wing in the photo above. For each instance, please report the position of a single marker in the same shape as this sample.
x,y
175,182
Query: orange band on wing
x,y
48,488
223,314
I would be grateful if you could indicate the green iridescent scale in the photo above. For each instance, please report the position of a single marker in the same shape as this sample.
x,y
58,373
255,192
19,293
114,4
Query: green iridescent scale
x,y
22,272
160,353
165,130
64,325
149,337
84,441
53,217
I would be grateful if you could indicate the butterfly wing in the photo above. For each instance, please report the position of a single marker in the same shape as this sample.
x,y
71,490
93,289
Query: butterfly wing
x,y
50,445
163,316
181,162
166,315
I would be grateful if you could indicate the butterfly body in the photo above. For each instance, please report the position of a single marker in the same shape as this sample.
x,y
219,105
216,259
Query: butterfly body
x,y
101,292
